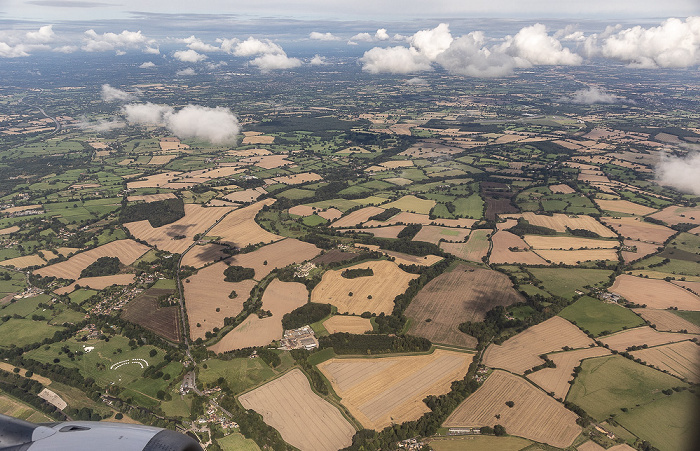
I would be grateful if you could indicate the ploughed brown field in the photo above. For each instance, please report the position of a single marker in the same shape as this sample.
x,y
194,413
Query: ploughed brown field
x,y
144,311
521,352
304,419
463,294
382,391
534,415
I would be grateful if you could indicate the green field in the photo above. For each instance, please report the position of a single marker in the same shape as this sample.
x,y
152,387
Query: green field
x,y
565,281
24,307
166,284
693,317
25,331
608,384
236,442
480,443
16,284
241,373
412,204
597,316
666,423
313,220
81,295
469,207
17,409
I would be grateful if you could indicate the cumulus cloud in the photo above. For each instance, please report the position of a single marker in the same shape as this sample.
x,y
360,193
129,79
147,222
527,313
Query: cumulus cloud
x,y
15,44
95,42
103,125
432,42
593,95
680,172
66,49
394,60
110,94
317,36
198,45
318,60
273,61
417,81
250,47
468,56
43,35
147,65
216,125
152,50
534,46
379,35
675,43
185,72
189,56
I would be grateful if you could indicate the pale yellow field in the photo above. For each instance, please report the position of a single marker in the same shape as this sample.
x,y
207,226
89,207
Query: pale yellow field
x,y
387,282
268,161
357,217
302,210
656,294
22,208
501,253
556,380
151,197
154,181
247,152
521,352
98,283
379,392
675,215
636,228
158,160
349,324
8,230
643,249
260,139
276,255
433,234
561,189
665,320
127,251
476,247
196,220
382,232
331,214
24,261
304,420
248,195
407,259
412,204
207,291
573,257
297,179
535,415
279,298
240,229
560,222
624,206
406,217
568,242
681,359
199,256
639,336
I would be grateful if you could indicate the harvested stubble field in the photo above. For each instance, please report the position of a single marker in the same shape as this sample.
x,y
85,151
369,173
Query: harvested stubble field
x,y
560,222
433,234
556,380
463,294
406,259
521,352
675,215
636,228
624,206
144,311
268,161
666,320
24,261
304,420
639,336
170,236
382,232
561,189
357,217
206,292
476,247
568,242
158,160
276,255
98,283
681,359
655,293
642,250
248,195
387,282
406,217
502,243
150,197
279,298
199,256
240,229
8,230
127,251
379,392
412,204
154,181
298,179
535,415
349,324
582,255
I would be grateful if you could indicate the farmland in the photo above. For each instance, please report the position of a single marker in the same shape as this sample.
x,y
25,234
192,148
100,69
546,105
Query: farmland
x,y
146,311
382,391
349,324
639,336
463,294
304,420
534,415
239,228
509,248
373,293
556,380
475,248
276,255
665,320
655,294
599,318
680,359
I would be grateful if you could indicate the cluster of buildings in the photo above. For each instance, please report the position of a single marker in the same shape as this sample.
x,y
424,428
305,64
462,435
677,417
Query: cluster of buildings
x,y
302,338
412,444
304,270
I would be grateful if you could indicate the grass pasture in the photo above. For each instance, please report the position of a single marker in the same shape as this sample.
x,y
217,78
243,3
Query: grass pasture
x,y
237,442
565,281
240,374
479,443
26,331
600,318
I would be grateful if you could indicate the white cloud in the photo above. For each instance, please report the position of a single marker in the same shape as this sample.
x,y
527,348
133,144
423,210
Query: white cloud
x,y
111,41
675,43
318,60
317,36
273,61
185,72
8,51
432,42
416,81
593,95
147,65
381,35
110,94
467,55
680,173
532,45
199,45
212,66
66,49
43,35
189,56
250,47
216,125
152,50
14,44
394,60
103,125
